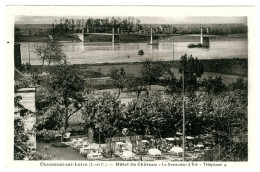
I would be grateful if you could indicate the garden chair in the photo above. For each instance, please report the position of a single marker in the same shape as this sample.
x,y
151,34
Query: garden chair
x,y
57,137
73,143
79,144
66,136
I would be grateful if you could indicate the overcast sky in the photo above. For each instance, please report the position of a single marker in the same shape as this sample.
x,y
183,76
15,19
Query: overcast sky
x,y
147,14
147,20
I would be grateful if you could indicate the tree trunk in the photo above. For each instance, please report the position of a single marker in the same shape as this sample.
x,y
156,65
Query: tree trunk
x,y
118,92
138,93
43,64
110,146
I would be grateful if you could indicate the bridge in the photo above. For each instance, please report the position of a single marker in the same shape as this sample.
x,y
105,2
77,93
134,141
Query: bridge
x,y
115,37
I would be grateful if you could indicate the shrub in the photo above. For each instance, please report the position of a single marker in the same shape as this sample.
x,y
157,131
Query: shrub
x,y
239,84
213,86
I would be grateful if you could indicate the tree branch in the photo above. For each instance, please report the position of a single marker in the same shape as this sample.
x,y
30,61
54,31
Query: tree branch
x,y
74,112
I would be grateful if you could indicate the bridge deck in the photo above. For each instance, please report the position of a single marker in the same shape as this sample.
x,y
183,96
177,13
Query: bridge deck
x,y
110,34
100,34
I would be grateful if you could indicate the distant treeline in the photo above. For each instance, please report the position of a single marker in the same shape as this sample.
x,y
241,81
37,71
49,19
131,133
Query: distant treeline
x,y
215,30
67,25
98,25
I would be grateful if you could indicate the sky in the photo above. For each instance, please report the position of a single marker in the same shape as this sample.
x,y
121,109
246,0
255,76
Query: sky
x,y
147,14
144,19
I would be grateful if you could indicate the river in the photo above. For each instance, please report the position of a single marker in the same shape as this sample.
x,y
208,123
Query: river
x,y
101,52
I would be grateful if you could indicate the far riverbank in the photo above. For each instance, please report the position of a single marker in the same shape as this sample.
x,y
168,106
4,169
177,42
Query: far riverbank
x,y
126,38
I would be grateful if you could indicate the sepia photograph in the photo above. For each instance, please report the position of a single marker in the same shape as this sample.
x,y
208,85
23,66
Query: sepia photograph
x,y
110,86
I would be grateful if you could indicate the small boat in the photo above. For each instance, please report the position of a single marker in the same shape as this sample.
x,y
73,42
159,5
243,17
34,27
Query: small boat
x,y
141,52
199,45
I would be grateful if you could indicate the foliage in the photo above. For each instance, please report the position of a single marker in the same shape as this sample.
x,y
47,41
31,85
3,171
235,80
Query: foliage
x,y
118,75
21,145
50,52
220,29
71,25
152,71
21,136
22,83
21,149
193,69
213,86
20,140
226,119
134,84
60,97
104,114
154,115
172,85
239,84
90,135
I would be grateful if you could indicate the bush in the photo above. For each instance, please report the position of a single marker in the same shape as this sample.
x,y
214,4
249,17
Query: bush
x,y
239,84
213,86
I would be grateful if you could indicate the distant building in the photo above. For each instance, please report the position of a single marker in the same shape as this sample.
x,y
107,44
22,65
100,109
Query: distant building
x,y
126,31
167,29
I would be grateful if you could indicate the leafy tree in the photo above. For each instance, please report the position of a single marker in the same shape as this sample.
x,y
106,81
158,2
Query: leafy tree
x,y
104,114
193,69
225,117
62,96
152,71
172,85
239,84
21,136
213,86
154,116
119,76
134,84
50,52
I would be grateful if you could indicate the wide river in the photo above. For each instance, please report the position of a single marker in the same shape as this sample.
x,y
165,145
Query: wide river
x,y
100,52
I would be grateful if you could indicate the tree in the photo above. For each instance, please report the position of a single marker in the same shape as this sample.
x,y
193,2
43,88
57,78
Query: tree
x,y
50,52
152,71
239,84
213,86
119,76
63,95
135,84
228,123
21,136
154,115
193,69
104,114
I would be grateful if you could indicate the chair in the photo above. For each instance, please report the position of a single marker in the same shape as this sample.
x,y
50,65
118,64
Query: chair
x,y
57,137
79,144
66,136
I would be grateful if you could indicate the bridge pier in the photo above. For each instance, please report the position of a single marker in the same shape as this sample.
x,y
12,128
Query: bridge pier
x,y
81,35
204,40
115,38
153,37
